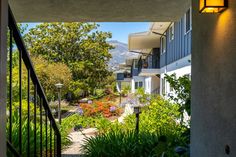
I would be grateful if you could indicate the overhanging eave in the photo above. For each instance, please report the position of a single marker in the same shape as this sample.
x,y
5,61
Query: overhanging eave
x,y
98,10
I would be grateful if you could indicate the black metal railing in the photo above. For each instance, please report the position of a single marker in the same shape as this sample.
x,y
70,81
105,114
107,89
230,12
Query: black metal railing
x,y
31,128
127,74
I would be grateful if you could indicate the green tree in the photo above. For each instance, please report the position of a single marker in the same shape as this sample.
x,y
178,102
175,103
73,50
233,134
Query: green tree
x,y
182,89
48,73
51,73
78,45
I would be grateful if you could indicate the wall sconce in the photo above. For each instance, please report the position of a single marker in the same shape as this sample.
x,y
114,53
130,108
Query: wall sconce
x,y
212,6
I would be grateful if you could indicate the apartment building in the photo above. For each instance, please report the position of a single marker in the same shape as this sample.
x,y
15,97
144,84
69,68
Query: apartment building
x,y
164,49
175,50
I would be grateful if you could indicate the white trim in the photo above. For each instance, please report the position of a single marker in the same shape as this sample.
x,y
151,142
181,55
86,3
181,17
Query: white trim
x,y
186,32
172,27
183,62
163,37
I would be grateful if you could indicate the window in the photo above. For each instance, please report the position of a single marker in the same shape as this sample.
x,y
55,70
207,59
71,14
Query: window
x,y
171,32
138,84
163,44
163,86
135,64
188,21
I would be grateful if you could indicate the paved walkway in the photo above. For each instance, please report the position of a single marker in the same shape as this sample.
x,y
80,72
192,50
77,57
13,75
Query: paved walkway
x,y
128,110
77,139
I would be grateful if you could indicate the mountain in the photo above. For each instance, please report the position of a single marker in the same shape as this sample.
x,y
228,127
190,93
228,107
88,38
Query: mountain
x,y
119,54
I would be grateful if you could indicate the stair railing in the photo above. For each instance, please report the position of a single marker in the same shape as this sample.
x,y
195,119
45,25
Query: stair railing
x,y
31,128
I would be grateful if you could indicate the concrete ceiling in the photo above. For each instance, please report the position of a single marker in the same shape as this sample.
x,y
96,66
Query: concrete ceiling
x,y
98,10
143,41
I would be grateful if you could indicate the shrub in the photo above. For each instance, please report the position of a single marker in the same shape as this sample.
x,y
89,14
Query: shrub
x,y
98,108
15,129
159,117
121,144
182,90
68,124
50,73
160,114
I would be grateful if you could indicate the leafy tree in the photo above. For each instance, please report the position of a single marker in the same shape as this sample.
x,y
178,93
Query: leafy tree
x,y
78,45
51,73
182,89
48,73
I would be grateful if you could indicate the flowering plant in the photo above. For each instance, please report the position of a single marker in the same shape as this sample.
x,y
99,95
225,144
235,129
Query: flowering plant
x,y
97,108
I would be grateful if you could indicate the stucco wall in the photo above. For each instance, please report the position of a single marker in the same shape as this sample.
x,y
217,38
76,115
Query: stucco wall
x,y
213,83
155,84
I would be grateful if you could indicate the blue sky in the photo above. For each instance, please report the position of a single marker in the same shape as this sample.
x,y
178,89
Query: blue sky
x,y
119,30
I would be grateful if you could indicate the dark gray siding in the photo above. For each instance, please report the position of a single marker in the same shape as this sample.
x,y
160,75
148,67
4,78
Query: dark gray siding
x,y
179,47
154,60
135,72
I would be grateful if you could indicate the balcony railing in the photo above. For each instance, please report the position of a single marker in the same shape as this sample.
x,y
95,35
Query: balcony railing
x,y
31,128
121,76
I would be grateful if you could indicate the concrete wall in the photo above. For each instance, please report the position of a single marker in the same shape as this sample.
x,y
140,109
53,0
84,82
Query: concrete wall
x,y
148,85
213,83
155,84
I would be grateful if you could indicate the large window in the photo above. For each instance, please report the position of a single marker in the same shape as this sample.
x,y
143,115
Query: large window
x,y
135,64
163,44
188,20
172,32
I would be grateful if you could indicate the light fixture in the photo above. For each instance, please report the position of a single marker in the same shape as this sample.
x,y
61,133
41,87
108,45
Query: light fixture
x,y
58,85
212,6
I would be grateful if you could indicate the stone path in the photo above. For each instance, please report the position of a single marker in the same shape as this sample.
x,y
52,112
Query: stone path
x,y
77,139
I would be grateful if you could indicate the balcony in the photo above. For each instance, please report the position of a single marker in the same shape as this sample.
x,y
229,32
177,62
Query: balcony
x,y
148,68
123,76
149,72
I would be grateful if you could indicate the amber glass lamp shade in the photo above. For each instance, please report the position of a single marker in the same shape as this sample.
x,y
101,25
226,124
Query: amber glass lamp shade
x,y
212,6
